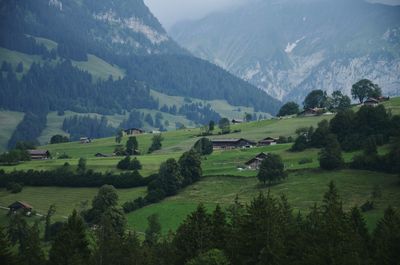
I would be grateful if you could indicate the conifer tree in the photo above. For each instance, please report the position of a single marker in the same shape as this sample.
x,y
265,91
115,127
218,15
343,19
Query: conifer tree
x,y
132,145
219,230
31,252
71,246
153,231
193,237
6,254
50,212
386,239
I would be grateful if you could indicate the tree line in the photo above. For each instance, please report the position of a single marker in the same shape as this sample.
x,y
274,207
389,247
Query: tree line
x,y
172,176
265,231
67,176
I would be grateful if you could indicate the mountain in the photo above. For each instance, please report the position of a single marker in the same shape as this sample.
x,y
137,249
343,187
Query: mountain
x,y
109,57
291,47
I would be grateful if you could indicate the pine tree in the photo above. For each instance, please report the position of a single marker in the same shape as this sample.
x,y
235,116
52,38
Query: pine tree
x,y
132,145
193,237
31,251
50,212
386,239
71,246
6,254
219,229
153,231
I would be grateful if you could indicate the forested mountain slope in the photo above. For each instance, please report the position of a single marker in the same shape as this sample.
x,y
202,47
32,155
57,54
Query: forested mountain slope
x,y
105,57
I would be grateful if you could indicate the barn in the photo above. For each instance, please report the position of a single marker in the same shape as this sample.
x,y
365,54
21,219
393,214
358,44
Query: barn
x,y
268,141
256,161
232,143
19,206
39,154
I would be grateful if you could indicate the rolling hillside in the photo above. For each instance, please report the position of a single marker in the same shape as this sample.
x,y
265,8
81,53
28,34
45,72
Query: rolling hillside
x,y
108,58
223,180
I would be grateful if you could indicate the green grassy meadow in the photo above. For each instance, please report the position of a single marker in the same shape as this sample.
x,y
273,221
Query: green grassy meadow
x,y
223,180
65,199
302,188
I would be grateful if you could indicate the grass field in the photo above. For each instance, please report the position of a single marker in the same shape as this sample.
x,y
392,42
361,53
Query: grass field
x,y
303,189
304,186
220,106
9,120
176,142
65,199
99,68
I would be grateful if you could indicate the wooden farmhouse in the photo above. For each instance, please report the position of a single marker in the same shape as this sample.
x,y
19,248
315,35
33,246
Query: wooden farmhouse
x,y
232,143
19,206
255,162
133,131
268,141
371,102
39,154
312,112
85,140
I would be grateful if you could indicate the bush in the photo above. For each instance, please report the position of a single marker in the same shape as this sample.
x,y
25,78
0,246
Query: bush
x,y
300,144
56,139
128,164
14,187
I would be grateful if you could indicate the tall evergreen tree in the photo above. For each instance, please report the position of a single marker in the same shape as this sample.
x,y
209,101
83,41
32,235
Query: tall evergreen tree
x,y
193,237
50,212
71,246
132,145
153,231
386,239
6,254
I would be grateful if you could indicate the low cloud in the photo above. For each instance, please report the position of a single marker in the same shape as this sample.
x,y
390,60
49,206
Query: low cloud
x,y
170,12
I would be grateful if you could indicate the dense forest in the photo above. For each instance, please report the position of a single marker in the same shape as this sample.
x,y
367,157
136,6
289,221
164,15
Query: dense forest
x,y
191,77
46,88
265,231
29,129
86,126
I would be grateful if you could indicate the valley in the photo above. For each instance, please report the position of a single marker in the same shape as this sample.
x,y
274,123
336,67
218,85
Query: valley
x,y
222,180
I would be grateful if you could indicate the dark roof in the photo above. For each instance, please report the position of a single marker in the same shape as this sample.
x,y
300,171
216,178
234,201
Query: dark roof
x,y
134,129
23,204
372,100
232,140
263,155
38,152
102,155
259,157
269,139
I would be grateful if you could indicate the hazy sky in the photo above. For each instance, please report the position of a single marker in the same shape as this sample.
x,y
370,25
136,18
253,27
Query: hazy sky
x,y
169,12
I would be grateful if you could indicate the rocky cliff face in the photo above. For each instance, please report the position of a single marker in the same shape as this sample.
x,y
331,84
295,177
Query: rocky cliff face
x,y
291,47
